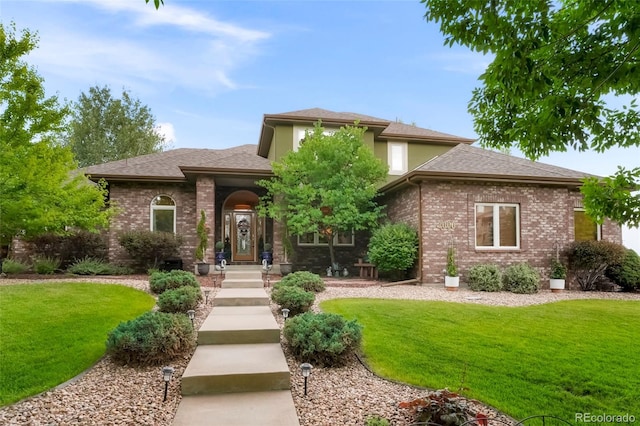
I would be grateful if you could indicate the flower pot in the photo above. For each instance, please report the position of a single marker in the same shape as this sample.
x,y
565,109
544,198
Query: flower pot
x,y
451,283
268,256
556,285
285,268
203,268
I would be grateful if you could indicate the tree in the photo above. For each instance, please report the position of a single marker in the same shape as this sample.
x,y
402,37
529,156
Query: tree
x,y
105,129
38,190
549,88
327,186
157,3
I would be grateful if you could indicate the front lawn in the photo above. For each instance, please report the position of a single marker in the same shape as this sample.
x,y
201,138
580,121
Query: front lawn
x,y
563,358
49,333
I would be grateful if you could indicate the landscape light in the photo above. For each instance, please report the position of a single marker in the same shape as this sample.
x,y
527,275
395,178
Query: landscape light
x,y
167,372
306,372
285,313
192,315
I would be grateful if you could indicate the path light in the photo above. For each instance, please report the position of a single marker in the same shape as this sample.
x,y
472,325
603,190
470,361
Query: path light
x,y
206,296
306,372
167,372
192,315
285,313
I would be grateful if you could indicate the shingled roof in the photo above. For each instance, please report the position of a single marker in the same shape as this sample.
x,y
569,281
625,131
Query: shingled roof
x,y
173,165
466,162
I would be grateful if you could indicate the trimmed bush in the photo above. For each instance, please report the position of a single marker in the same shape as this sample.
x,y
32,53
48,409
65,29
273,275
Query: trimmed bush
x,y
93,266
179,300
154,338
147,249
293,298
322,339
46,265
160,281
486,277
589,260
521,278
626,274
10,266
393,249
305,280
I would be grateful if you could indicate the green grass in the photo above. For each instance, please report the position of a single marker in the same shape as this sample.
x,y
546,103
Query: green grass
x,y
50,333
555,359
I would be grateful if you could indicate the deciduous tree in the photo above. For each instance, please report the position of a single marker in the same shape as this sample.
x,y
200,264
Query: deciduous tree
x,y
552,86
327,186
104,128
38,190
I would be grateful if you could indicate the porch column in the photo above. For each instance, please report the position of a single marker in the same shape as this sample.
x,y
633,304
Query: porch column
x,y
205,200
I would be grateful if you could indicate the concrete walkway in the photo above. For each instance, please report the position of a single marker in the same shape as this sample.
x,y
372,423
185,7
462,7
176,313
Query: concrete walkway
x,y
238,374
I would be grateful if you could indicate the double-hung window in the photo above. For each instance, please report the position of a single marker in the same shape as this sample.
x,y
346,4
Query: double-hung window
x,y
497,226
163,214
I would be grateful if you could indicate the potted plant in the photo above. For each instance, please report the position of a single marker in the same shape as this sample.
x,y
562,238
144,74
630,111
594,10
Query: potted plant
x,y
451,279
201,249
557,276
220,255
266,254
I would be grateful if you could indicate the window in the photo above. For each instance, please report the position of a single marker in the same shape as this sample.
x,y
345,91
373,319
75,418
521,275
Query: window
x,y
299,133
497,226
585,228
163,214
397,158
317,239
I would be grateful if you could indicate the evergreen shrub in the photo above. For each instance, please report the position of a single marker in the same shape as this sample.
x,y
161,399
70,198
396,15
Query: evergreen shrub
x,y
486,277
179,300
160,281
294,298
46,265
322,339
521,278
626,274
393,249
152,339
14,266
305,280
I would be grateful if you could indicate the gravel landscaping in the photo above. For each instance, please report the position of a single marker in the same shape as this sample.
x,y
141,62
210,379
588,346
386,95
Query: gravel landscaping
x,y
116,395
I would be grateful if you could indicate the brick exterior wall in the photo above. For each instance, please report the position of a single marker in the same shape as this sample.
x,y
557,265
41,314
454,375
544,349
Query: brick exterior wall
x,y
448,214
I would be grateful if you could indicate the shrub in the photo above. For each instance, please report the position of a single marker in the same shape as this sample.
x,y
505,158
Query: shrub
x,y
441,407
485,278
305,280
293,298
153,338
376,420
93,266
179,300
68,248
46,265
393,249
589,260
14,266
160,281
322,339
521,278
147,248
558,270
626,274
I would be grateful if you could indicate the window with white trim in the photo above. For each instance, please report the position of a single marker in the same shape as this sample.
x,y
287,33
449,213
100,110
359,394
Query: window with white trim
x,y
397,158
163,214
299,133
318,239
585,228
497,226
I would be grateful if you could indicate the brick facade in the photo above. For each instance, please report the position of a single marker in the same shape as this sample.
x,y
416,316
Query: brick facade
x,y
448,214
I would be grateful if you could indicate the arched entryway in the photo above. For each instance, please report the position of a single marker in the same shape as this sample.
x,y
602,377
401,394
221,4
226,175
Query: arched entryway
x,y
242,228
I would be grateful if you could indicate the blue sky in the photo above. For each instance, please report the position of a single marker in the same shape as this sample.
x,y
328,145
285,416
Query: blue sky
x,y
209,70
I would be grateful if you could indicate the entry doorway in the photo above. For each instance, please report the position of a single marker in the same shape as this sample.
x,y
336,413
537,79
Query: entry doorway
x,y
243,236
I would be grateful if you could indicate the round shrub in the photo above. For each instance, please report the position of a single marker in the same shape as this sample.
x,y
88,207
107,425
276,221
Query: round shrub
x,y
393,249
626,274
160,281
305,280
179,300
485,278
14,266
293,298
154,338
521,278
322,339
589,260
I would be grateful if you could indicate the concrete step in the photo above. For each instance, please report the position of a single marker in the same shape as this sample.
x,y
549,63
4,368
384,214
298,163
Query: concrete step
x,y
236,325
242,283
242,409
236,368
241,297
244,275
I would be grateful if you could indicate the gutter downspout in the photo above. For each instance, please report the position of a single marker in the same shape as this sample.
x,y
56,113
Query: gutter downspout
x,y
419,186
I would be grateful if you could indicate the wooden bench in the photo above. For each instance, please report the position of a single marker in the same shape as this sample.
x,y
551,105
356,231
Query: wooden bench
x,y
367,270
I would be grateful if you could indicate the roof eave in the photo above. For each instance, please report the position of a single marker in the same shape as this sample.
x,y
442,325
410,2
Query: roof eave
x,y
236,172
140,178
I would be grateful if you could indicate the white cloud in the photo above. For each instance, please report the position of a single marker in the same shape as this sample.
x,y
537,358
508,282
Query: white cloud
x,y
168,131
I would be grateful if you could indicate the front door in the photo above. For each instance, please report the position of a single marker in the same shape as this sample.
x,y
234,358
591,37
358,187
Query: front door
x,y
243,245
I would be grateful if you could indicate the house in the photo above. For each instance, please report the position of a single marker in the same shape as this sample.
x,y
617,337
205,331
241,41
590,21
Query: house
x,y
493,207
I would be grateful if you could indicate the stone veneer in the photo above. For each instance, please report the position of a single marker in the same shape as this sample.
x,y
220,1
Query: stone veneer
x,y
546,217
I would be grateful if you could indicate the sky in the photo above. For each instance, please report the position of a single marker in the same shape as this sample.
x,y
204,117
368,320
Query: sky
x,y
210,69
